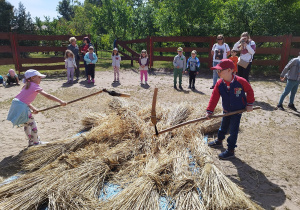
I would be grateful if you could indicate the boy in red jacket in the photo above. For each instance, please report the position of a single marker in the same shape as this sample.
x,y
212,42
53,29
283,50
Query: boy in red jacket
x,y
236,94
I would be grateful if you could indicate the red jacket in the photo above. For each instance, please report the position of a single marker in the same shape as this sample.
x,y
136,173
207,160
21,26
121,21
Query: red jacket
x,y
238,96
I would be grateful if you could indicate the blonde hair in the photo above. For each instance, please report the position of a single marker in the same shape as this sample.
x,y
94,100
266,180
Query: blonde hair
x,y
144,51
221,36
247,35
27,83
72,39
69,52
194,51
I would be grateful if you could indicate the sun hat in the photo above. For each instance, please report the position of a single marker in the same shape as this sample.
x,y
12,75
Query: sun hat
x,y
11,72
224,64
115,49
179,49
31,73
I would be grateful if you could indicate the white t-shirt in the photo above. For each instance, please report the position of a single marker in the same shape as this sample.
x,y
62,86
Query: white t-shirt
x,y
220,52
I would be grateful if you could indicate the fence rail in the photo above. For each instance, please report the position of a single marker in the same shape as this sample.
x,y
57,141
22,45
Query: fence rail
x,y
284,51
153,46
15,49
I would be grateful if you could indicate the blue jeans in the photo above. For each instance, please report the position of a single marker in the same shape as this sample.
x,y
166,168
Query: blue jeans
x,y
232,122
215,74
291,86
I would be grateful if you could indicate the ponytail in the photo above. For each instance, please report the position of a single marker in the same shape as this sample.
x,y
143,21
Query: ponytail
x,y
27,83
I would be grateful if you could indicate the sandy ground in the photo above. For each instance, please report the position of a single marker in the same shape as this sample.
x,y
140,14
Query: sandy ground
x,y
266,166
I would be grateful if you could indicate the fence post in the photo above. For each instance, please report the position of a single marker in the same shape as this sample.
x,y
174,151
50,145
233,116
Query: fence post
x,y
151,51
210,57
285,51
13,38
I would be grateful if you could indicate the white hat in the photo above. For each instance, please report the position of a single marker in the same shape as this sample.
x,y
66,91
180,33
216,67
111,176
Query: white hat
x,y
115,49
31,72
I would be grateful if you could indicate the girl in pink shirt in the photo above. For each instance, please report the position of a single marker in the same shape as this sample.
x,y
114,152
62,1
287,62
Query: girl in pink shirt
x,y
19,112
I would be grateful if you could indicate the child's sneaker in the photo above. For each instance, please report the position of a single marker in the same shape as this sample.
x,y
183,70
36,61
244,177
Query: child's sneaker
x,y
93,81
146,83
280,107
215,143
212,87
226,155
89,81
292,107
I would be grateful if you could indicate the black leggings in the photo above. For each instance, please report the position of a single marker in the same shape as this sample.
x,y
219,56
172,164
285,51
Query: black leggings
x,y
91,70
192,75
244,72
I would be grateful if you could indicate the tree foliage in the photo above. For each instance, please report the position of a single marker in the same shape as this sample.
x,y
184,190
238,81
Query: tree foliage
x,y
65,9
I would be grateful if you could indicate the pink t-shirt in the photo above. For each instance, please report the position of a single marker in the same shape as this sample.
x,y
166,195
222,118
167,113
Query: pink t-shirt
x,y
28,95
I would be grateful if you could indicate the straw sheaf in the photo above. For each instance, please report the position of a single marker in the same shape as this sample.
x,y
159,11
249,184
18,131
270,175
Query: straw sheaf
x,y
219,192
183,187
92,120
38,157
143,193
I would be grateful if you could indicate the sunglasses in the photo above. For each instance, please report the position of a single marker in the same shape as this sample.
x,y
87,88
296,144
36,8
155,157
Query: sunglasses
x,y
219,71
220,39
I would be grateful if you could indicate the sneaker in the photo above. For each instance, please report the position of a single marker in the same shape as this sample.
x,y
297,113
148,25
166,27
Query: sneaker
x,y
193,87
89,81
212,87
180,87
215,143
292,107
189,87
146,83
226,155
114,81
280,107
93,81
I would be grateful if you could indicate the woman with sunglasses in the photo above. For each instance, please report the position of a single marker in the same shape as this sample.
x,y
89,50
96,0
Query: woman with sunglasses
x,y
219,51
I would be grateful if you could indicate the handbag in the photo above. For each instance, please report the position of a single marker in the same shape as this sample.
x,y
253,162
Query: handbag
x,y
242,63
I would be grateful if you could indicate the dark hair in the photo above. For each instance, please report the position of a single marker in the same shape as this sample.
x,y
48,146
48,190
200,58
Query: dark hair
x,y
114,54
87,39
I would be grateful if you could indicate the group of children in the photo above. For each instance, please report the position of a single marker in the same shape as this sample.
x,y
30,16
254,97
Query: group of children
x,y
236,92
70,64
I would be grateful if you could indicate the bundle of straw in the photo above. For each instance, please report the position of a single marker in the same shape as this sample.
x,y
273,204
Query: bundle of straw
x,y
179,114
219,192
183,187
143,193
38,157
92,120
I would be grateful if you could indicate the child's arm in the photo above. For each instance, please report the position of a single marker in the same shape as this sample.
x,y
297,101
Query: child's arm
x,y
35,111
214,99
184,63
53,98
198,65
94,61
66,63
249,92
17,78
74,63
86,58
174,62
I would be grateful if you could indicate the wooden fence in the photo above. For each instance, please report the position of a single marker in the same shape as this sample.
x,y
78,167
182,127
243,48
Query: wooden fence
x,y
283,52
15,49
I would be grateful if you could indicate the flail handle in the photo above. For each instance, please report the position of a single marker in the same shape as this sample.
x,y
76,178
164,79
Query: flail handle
x,y
205,118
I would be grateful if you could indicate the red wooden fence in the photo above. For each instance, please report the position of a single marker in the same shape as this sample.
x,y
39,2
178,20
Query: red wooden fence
x,y
284,51
15,49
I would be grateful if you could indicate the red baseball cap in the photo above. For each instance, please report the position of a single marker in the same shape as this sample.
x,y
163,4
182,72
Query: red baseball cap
x,y
224,64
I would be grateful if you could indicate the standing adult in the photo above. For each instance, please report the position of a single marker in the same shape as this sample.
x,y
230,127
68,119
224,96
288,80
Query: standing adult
x,y
247,48
219,51
75,50
292,72
84,50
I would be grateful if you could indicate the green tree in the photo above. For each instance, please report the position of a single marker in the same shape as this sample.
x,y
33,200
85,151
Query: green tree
x,y
6,16
65,9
